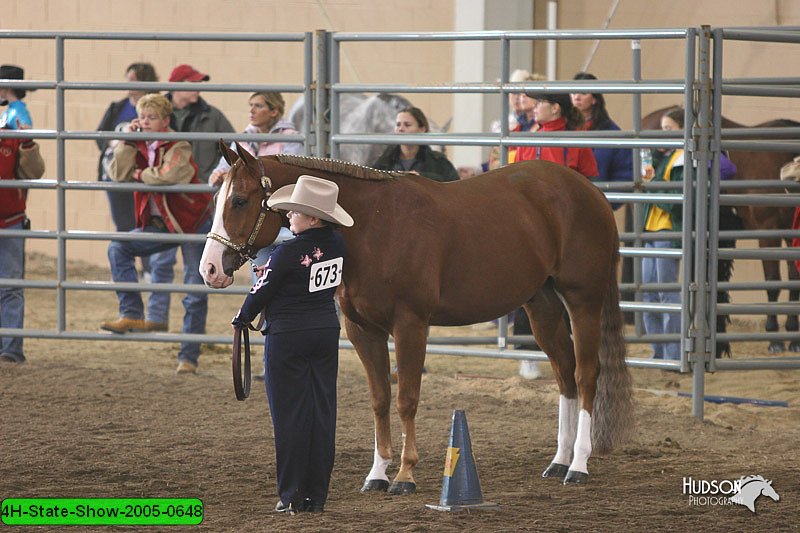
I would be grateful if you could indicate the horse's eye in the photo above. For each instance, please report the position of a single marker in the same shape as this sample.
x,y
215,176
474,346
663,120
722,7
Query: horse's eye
x,y
238,201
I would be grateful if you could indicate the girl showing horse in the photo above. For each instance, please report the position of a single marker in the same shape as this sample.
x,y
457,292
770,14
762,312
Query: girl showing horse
x,y
548,241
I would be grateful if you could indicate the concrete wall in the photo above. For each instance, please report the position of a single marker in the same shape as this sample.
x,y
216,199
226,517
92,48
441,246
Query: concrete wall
x,y
664,59
225,62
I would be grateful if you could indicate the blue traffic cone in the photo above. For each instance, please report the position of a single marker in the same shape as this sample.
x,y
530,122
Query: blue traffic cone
x,y
461,488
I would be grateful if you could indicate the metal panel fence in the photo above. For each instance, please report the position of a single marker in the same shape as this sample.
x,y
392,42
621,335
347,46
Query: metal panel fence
x,y
61,185
702,139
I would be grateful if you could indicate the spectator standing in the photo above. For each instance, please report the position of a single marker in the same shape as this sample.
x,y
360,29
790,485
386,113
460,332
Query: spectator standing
x,y
19,159
613,164
553,112
520,118
266,116
116,118
160,163
191,113
416,158
669,167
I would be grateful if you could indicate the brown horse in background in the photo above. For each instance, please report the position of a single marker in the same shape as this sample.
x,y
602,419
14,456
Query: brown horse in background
x,y
751,165
547,241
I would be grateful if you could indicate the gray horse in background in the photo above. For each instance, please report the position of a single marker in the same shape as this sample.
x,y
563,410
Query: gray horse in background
x,y
361,113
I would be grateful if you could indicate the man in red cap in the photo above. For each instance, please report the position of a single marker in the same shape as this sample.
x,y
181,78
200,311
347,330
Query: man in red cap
x,y
193,114
190,113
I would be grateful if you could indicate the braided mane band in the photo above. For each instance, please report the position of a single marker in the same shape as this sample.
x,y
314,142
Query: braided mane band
x,y
338,167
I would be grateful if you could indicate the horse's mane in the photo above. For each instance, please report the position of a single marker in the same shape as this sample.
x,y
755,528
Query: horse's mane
x,y
782,123
338,167
745,480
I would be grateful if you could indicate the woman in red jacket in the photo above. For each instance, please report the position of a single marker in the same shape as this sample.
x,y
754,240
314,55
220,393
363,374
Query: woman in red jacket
x,y
555,112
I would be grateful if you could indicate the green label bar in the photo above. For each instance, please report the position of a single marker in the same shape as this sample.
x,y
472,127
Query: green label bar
x,y
101,511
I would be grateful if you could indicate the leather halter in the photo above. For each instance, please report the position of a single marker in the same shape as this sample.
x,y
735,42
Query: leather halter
x,y
246,250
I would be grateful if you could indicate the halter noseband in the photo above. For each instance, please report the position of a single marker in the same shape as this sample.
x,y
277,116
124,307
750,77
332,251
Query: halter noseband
x,y
246,251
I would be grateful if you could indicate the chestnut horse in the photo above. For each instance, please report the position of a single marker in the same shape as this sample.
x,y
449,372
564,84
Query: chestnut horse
x,y
752,165
422,253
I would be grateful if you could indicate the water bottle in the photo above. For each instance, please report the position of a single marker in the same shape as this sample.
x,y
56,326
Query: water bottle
x,y
647,164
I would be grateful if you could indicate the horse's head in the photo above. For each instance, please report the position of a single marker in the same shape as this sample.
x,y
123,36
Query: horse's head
x,y
770,492
242,221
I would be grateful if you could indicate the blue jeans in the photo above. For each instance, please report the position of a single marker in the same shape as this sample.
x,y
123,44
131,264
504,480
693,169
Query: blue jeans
x,y
162,270
12,299
662,270
123,215
121,257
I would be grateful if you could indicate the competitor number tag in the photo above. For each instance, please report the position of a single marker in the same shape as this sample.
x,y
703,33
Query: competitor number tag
x,y
325,274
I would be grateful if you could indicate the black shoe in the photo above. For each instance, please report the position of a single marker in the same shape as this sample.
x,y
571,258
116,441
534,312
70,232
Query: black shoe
x,y
285,508
310,506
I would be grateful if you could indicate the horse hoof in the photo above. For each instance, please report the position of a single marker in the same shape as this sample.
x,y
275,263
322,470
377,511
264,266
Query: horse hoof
x,y
794,346
375,485
574,476
401,488
556,470
776,347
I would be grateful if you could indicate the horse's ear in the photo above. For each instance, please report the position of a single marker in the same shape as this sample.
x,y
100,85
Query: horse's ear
x,y
246,156
229,155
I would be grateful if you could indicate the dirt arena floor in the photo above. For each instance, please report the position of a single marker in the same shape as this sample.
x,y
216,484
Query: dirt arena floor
x,y
111,419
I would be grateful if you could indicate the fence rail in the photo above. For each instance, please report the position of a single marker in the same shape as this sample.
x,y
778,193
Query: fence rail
x,y
702,86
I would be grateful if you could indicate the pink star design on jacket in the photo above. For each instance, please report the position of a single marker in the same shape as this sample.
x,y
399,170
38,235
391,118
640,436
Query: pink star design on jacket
x,y
317,254
305,261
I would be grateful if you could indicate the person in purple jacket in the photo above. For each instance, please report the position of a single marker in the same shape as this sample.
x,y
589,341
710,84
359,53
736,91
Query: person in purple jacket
x,y
613,164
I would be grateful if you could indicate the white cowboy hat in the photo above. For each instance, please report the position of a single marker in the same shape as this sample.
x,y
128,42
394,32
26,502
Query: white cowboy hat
x,y
311,196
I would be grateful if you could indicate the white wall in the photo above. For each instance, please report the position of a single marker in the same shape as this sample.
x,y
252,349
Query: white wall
x,y
480,61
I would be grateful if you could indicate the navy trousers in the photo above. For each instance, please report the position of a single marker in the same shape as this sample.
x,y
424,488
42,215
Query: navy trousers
x,y
300,375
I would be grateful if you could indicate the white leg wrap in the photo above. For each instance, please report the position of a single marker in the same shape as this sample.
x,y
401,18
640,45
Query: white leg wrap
x,y
379,466
567,427
583,443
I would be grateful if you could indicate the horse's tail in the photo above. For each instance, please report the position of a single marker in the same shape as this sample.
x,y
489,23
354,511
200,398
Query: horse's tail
x,y
728,220
612,414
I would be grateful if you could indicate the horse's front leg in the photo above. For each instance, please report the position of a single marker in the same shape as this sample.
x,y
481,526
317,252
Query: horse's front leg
x,y
370,344
410,336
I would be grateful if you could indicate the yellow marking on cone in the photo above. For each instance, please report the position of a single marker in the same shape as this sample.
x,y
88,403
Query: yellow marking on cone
x,y
450,461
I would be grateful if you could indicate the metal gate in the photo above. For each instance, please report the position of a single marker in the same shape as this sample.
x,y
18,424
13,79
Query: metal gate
x,y
703,138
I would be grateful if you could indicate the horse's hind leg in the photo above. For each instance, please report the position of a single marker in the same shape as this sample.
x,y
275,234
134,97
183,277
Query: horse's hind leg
x,y
576,365
546,313
585,312
794,296
772,273
410,336
370,344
